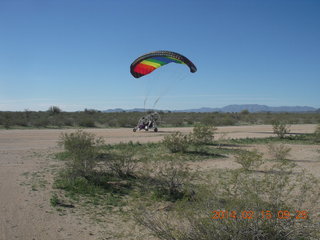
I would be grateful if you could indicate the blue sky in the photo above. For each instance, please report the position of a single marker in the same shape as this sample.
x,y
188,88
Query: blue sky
x,y
76,54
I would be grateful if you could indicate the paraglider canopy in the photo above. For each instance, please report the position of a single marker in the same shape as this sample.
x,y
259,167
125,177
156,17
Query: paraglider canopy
x,y
147,63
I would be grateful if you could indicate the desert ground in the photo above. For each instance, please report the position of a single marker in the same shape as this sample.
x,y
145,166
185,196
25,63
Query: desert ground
x,y
26,155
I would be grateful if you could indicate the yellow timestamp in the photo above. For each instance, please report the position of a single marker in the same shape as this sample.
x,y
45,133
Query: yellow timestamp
x,y
265,214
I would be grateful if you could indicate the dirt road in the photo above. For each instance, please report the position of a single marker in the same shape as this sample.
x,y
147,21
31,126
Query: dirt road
x,y
25,211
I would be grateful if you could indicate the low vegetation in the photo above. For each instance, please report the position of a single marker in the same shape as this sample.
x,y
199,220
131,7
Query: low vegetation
x,y
241,205
249,160
280,128
163,191
82,149
279,152
201,136
176,142
317,134
291,139
172,180
57,118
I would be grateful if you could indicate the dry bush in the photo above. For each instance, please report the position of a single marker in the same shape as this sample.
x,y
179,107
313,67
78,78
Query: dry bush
x,y
279,152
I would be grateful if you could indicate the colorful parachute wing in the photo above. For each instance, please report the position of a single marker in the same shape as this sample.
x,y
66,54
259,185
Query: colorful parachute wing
x,y
147,63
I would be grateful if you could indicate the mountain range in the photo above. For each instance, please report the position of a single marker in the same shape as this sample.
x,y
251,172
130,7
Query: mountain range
x,y
229,108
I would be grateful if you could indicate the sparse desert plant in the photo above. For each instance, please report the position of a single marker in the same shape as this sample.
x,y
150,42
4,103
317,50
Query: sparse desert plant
x,y
202,134
279,152
281,129
249,159
222,138
171,179
82,148
122,164
54,200
317,134
243,206
176,142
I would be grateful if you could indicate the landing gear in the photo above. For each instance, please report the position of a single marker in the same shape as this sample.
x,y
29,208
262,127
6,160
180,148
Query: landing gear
x,y
148,122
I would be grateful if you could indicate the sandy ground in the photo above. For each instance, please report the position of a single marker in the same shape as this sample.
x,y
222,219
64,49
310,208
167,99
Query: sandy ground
x,y
25,211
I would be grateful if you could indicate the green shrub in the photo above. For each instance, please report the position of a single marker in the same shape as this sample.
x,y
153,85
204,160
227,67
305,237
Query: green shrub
x,y
227,121
41,122
87,122
245,112
249,159
82,148
202,134
54,200
281,129
176,142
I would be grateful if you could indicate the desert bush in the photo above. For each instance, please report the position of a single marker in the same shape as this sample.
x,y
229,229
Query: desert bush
x,y
249,159
7,121
68,122
317,134
86,122
41,122
54,200
171,179
227,121
122,164
21,122
281,129
176,142
265,197
202,134
279,152
245,112
82,148
195,227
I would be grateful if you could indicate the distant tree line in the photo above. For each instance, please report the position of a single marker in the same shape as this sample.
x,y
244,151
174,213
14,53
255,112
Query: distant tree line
x,y
56,118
